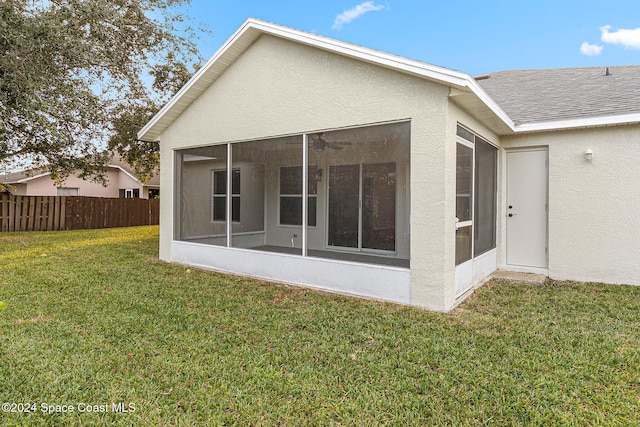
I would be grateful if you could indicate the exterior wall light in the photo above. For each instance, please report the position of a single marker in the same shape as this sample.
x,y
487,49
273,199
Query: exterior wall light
x,y
588,154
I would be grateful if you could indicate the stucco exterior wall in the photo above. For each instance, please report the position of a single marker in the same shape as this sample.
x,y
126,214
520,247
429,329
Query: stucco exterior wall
x,y
45,186
125,181
594,206
280,88
19,189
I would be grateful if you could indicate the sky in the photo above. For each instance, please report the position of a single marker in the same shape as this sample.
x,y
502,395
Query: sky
x,y
475,37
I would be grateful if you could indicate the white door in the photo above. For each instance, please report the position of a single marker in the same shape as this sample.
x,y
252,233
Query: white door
x,y
527,179
464,217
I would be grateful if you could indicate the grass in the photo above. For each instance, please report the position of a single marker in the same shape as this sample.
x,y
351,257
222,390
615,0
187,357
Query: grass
x,y
93,318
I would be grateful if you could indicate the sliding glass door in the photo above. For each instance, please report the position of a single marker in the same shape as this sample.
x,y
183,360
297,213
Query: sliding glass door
x,y
379,206
362,207
344,206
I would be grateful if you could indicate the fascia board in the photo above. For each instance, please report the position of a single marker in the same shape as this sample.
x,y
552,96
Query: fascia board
x,y
365,54
29,178
125,172
421,69
578,123
489,102
193,80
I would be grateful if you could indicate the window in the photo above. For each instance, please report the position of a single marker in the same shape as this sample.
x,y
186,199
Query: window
x,y
67,191
129,193
291,195
219,199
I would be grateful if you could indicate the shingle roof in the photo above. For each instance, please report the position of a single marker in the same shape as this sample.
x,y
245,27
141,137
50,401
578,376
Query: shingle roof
x,y
563,94
16,177
116,161
11,178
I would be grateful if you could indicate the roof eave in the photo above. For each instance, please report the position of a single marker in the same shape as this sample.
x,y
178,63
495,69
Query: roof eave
x,y
149,132
622,119
252,29
123,170
29,178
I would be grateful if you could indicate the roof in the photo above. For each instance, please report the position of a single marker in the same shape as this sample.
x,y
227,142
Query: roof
x,y
252,29
21,177
552,95
119,163
506,102
116,162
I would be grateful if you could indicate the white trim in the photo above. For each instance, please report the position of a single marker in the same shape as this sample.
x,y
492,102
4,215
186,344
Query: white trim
x,y
463,277
127,173
579,123
489,102
253,28
423,69
484,265
229,204
305,196
190,83
29,178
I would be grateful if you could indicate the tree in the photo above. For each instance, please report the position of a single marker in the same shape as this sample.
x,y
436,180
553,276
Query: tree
x,y
129,118
74,72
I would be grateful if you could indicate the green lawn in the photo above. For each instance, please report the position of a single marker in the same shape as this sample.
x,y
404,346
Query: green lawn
x,y
93,319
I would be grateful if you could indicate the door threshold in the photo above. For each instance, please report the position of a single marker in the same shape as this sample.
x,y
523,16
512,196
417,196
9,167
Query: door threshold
x,y
529,278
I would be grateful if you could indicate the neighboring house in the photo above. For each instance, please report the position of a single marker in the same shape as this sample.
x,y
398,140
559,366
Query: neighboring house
x,y
416,182
121,182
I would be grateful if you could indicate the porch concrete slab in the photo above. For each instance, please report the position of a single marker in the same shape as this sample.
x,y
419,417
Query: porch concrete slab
x,y
530,278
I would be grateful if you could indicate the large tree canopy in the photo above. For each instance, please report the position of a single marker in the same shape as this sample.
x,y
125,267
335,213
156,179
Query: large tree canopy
x,y
74,73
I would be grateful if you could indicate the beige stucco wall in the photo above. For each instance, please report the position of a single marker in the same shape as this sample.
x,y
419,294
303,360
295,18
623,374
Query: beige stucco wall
x,y
19,189
279,88
199,222
45,186
594,206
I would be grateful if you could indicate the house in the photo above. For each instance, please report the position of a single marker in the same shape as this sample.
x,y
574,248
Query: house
x,y
302,159
120,179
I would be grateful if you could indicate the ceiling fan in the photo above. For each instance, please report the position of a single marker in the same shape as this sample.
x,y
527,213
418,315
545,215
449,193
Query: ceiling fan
x,y
318,143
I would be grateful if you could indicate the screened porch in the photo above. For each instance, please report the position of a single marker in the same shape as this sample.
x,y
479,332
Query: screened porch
x,y
340,195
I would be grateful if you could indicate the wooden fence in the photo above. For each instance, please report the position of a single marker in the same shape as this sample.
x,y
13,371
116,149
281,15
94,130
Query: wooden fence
x,y
40,213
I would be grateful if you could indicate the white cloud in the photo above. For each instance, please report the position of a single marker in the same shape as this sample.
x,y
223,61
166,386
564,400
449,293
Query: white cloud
x,y
349,15
590,49
628,38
